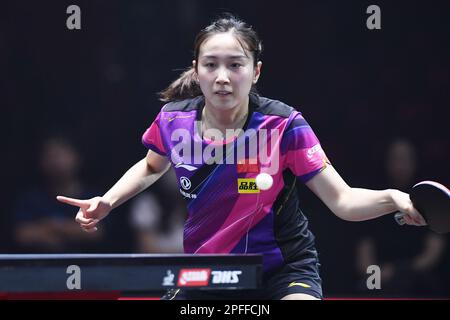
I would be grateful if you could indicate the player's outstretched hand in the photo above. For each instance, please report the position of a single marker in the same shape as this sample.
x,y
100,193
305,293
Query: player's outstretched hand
x,y
91,211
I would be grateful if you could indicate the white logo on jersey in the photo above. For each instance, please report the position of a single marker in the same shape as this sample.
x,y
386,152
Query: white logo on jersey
x,y
313,150
185,183
185,166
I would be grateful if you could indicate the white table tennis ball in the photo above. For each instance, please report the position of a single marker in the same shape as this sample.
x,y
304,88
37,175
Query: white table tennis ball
x,y
264,181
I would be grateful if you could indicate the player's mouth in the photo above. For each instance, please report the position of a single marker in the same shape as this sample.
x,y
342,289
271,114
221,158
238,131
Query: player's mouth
x,y
222,93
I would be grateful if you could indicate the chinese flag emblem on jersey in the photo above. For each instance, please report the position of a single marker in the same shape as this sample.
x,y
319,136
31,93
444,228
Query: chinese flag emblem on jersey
x,y
248,166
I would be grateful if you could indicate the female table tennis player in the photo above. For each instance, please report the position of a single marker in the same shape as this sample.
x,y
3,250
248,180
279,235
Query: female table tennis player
x,y
228,213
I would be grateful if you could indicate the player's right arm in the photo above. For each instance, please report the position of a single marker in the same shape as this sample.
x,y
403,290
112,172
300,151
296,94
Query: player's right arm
x,y
139,177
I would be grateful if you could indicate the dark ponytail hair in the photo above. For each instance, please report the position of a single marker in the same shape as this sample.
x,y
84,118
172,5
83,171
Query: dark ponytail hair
x,y
187,86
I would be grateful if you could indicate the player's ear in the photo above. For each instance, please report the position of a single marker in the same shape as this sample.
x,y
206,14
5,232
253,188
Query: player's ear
x,y
257,72
194,67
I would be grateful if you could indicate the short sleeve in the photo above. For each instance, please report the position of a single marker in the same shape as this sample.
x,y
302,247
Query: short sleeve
x,y
152,138
302,151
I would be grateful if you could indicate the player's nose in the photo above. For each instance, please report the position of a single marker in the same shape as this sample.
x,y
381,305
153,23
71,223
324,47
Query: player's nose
x,y
222,76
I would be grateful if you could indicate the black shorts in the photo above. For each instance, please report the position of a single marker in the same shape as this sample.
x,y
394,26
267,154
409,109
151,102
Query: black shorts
x,y
301,276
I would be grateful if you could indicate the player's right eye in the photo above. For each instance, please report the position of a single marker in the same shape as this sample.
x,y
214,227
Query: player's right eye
x,y
210,65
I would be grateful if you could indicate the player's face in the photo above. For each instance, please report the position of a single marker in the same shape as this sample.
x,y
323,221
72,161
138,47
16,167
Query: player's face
x,y
226,72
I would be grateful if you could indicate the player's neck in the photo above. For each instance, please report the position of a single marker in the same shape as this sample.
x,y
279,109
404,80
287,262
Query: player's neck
x,y
230,119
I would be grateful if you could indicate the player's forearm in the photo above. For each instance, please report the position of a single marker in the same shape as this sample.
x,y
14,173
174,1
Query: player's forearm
x,y
358,204
135,180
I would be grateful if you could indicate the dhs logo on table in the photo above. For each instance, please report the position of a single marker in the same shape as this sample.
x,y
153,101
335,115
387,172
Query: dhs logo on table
x,y
194,277
225,276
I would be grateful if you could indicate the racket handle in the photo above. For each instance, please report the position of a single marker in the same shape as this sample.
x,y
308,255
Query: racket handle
x,y
400,218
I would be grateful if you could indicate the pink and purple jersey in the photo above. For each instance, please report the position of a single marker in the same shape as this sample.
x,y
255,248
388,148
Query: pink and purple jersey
x,y
227,213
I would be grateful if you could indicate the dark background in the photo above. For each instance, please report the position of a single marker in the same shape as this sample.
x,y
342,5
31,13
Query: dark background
x,y
358,88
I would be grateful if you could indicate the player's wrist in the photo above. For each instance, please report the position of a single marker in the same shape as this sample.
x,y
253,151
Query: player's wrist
x,y
109,201
394,195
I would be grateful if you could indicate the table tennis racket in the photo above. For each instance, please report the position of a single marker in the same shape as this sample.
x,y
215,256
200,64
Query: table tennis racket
x,y
432,200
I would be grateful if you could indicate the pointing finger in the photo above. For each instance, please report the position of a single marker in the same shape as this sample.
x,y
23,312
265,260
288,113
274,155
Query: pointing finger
x,y
73,202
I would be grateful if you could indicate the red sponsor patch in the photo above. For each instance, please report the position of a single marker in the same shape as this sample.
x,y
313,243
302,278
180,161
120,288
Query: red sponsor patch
x,y
193,277
248,165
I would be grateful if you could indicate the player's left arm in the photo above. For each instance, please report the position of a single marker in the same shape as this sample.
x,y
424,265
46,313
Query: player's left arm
x,y
357,204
